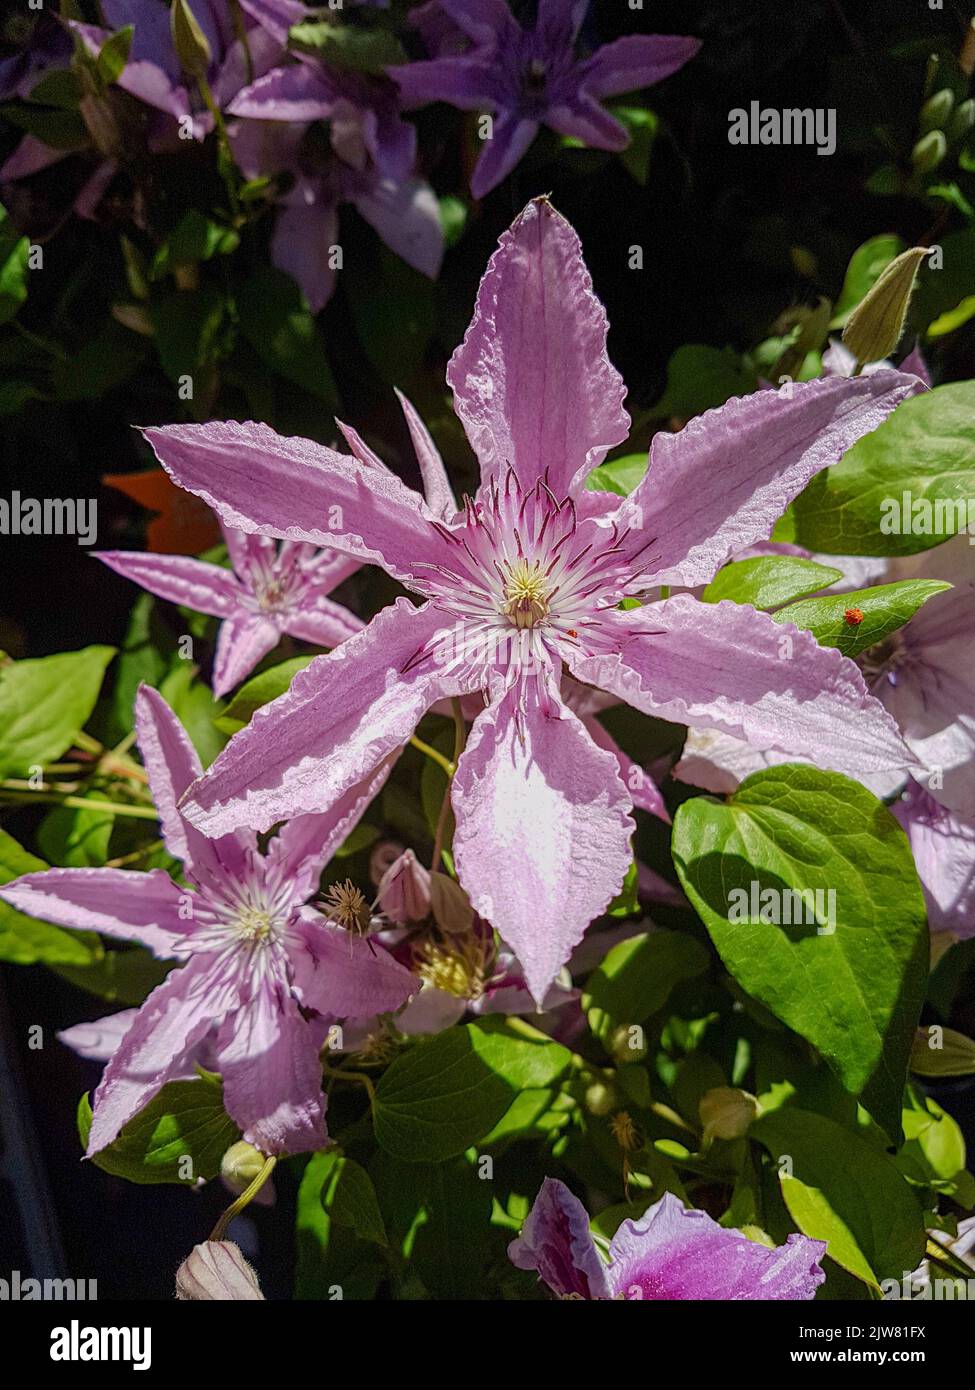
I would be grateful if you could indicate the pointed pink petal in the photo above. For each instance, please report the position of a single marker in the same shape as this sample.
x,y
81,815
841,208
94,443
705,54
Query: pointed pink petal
x,y
555,1240
244,640
120,903
673,1252
532,382
406,215
297,92
436,485
343,715
542,837
173,1020
272,1078
202,587
260,481
726,666
345,976
324,623
636,60
943,846
172,765
643,790
724,480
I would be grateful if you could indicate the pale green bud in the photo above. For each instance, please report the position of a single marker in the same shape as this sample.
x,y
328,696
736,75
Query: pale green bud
x,y
726,1112
191,44
936,111
874,328
929,151
601,1099
941,1051
962,121
240,1165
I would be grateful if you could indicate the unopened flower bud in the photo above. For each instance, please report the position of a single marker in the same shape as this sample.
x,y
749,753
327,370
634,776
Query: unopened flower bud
x,y
726,1112
627,1044
404,890
191,44
936,111
601,1099
217,1271
240,1165
874,328
929,151
941,1051
383,856
962,121
450,905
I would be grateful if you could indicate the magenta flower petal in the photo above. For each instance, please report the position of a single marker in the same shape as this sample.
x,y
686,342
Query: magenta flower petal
x,y
437,491
543,831
724,666
532,383
257,480
205,588
243,641
344,976
174,1019
675,1252
131,906
298,92
724,480
326,624
555,1240
343,715
272,1078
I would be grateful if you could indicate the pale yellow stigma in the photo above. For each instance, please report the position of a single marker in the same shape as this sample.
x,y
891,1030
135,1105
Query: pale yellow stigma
x,y
459,969
346,905
269,595
254,924
526,598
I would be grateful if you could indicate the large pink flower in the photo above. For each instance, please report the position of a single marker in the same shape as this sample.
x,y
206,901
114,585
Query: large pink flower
x,y
526,583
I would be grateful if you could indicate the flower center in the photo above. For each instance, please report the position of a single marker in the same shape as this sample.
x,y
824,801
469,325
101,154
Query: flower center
x,y
345,905
253,924
526,593
270,594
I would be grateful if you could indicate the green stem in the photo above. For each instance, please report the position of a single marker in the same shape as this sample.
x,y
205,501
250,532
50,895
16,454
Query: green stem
x,y
460,738
245,1198
430,752
77,803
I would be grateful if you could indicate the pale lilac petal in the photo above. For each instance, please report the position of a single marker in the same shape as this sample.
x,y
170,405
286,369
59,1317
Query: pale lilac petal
x,y
643,790
406,215
326,624
258,480
276,16
542,831
915,364
178,578
943,846
174,1019
297,92
510,137
674,1252
343,715
272,1078
172,764
437,491
724,480
121,903
467,82
244,640
98,1041
29,156
532,382
719,763
306,234
243,550
343,975
636,60
430,1011
726,666
556,1242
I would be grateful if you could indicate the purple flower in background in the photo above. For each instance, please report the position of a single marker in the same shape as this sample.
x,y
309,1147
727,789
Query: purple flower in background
x,y
255,963
271,590
527,582
672,1252
943,845
838,360
531,77
365,158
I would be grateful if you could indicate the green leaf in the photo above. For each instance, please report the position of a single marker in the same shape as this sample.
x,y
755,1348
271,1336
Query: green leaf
x,y
196,708
179,1137
60,87
44,702
885,608
14,256
125,977
196,238
453,218
276,321
701,377
637,976
904,488
852,988
75,838
451,1090
332,1262
25,940
349,1197
61,129
620,475
864,270
643,127
933,1152
186,330
114,54
769,580
841,1189
260,690
345,46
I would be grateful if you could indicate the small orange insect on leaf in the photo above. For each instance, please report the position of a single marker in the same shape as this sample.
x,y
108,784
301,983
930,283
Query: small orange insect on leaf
x,y
854,616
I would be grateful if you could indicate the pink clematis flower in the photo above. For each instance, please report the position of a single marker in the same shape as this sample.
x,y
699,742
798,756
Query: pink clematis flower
x,y
255,963
526,582
271,590
672,1252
